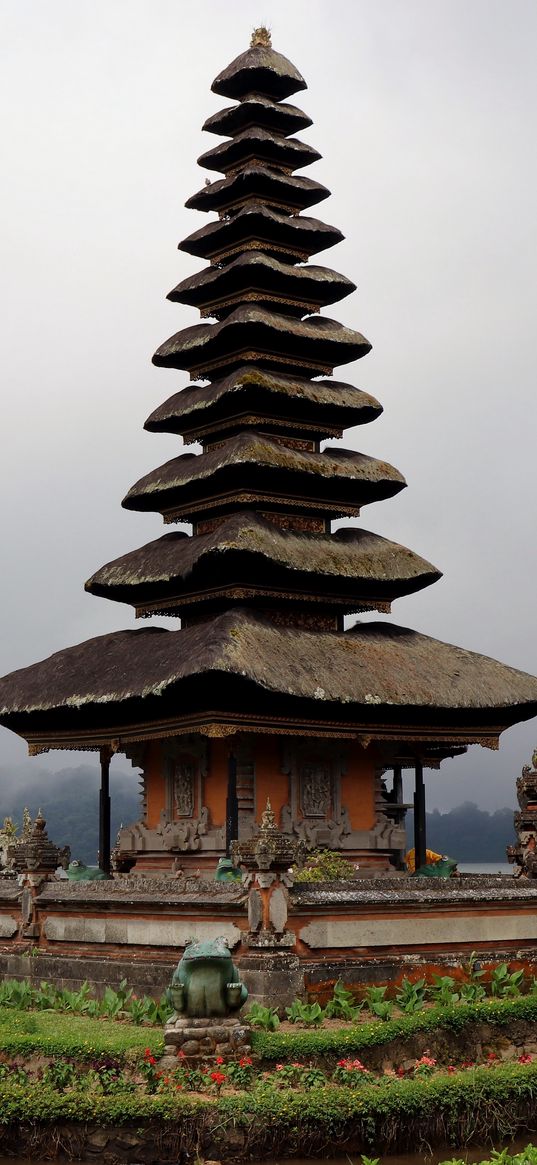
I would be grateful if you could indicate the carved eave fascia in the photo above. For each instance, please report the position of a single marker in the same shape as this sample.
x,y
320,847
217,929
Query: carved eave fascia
x,y
259,145
252,334
258,184
258,228
324,407
268,282
258,111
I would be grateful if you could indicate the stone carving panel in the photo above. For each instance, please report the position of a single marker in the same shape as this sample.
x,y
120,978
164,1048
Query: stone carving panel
x,y
183,788
315,789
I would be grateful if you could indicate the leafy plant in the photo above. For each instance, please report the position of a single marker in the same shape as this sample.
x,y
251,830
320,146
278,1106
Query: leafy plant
x,y
60,1074
310,1014
505,983
342,1005
241,1072
377,1004
299,1076
351,1073
472,992
411,996
264,1017
325,865
443,990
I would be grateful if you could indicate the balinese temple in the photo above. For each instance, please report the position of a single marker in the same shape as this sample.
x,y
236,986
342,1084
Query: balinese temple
x,y
264,689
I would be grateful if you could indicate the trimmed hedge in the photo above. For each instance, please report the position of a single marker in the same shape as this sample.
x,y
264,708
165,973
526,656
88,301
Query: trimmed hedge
x,y
53,1033
275,1046
481,1106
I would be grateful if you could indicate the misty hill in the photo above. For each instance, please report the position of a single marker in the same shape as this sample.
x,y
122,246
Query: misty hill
x,y
69,801
468,833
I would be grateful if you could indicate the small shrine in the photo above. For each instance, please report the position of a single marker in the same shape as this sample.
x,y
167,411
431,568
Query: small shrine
x,y
265,689
524,853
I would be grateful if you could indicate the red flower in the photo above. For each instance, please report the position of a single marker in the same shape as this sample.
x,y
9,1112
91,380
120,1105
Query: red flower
x,y
279,1067
218,1078
245,1062
451,1068
524,1059
219,1059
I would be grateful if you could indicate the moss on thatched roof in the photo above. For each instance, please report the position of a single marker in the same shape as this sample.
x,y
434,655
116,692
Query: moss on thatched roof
x,y
263,145
366,560
255,272
262,184
289,341
259,389
259,70
260,111
374,669
257,223
360,476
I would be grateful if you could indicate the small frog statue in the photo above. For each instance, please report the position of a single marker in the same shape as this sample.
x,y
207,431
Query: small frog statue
x,y
206,982
77,871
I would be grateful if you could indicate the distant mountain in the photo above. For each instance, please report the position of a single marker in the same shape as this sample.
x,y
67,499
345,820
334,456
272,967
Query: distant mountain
x,y
468,833
69,801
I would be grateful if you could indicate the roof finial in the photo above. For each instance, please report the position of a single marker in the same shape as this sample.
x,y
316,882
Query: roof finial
x,y
261,38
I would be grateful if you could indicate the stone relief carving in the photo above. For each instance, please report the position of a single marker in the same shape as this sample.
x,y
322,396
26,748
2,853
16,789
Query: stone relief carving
x,y
183,788
315,789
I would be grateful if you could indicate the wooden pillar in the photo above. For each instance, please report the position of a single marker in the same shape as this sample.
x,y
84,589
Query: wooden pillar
x,y
397,785
232,804
420,840
104,811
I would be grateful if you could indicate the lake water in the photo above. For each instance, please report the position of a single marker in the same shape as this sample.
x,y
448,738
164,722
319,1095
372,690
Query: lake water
x,y
485,868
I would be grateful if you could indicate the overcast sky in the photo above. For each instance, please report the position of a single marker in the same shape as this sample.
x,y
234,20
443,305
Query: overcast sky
x,y
425,114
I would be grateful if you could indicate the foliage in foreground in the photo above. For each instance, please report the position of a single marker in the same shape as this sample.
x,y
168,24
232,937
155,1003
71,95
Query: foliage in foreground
x,y
478,1105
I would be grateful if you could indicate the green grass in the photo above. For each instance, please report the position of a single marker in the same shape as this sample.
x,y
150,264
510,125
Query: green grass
x,y
54,1033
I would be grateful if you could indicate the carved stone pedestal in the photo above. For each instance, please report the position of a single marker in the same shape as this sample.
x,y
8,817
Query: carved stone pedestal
x,y
200,1040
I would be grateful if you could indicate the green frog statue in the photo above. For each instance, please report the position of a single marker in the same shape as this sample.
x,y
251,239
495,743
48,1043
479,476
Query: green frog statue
x,y
206,982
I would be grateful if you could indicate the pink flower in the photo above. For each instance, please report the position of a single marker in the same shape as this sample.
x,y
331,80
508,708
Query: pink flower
x,y
279,1067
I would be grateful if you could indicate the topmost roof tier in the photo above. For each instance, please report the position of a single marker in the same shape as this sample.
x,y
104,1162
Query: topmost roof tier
x,y
259,70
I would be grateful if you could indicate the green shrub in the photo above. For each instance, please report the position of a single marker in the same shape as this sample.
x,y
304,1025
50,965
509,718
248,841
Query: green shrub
x,y
325,865
337,1042
342,1005
411,996
310,1014
264,1017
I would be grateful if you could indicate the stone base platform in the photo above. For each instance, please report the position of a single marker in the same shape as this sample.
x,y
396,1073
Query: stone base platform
x,y
198,1040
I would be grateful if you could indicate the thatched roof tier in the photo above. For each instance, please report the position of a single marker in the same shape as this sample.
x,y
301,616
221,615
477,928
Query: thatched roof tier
x,y
259,278
260,112
252,333
257,227
377,680
258,183
251,395
348,567
252,470
259,145
260,70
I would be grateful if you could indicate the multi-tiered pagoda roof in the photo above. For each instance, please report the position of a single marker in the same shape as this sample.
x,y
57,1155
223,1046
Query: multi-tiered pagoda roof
x,y
262,583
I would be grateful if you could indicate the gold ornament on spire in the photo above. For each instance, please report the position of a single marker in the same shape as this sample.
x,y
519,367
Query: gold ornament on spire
x,y
260,38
